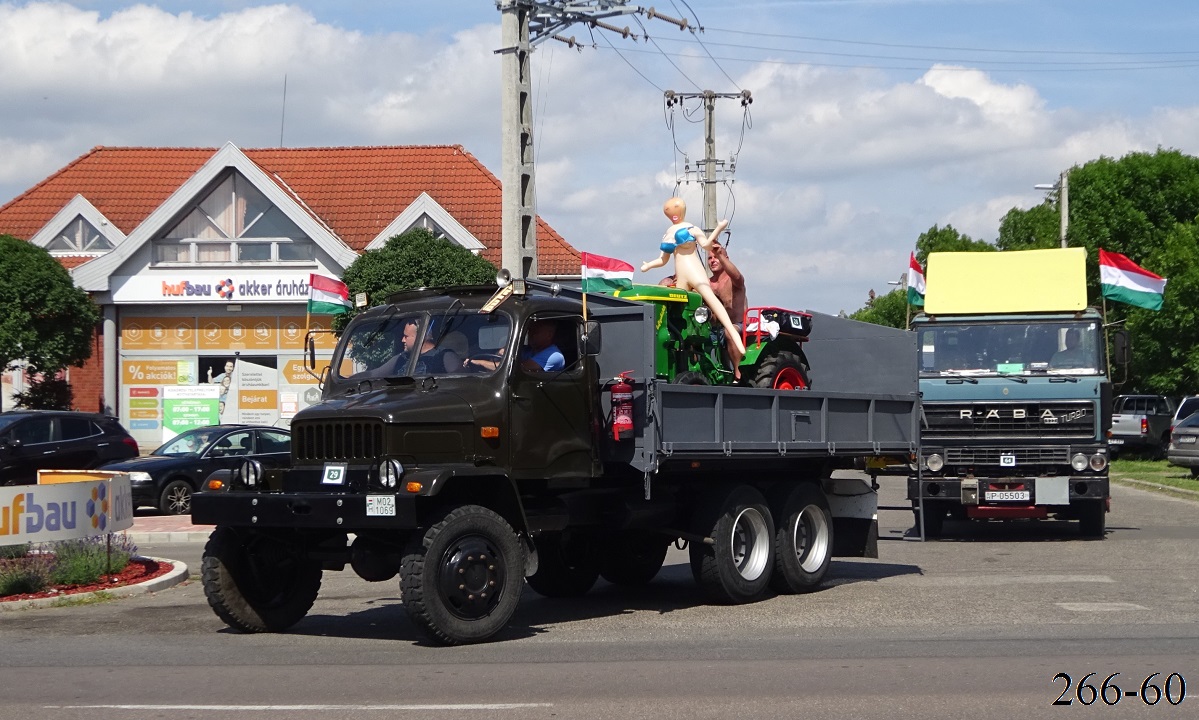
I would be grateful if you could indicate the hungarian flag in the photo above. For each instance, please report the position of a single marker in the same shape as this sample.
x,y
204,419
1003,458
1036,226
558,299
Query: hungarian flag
x,y
1124,281
603,274
915,282
327,296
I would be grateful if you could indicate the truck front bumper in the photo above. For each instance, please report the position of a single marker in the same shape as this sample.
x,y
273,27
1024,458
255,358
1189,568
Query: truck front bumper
x,y
971,490
340,511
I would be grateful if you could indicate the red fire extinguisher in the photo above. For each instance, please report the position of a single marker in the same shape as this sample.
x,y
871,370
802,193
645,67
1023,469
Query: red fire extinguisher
x,y
622,407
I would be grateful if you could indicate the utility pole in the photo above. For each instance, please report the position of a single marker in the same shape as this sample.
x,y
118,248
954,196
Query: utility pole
x,y
523,24
1065,203
712,167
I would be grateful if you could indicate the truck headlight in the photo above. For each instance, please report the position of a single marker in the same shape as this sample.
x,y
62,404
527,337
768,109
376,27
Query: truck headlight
x,y
1098,462
251,472
1079,462
390,472
935,462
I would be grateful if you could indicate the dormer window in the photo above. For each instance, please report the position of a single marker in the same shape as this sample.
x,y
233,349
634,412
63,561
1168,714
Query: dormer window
x,y
80,236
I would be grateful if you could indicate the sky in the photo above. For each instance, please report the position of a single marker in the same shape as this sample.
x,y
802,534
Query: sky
x,y
872,120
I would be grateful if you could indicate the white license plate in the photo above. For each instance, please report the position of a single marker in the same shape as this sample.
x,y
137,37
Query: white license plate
x,y
1002,495
1186,439
1115,441
380,505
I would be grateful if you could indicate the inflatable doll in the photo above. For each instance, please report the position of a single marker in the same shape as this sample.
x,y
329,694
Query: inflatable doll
x,y
690,272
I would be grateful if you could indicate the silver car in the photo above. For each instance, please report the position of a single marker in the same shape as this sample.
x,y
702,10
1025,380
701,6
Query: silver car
x,y
1184,445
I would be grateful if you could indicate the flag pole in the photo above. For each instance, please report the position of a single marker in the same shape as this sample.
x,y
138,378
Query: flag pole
x,y
584,306
1106,342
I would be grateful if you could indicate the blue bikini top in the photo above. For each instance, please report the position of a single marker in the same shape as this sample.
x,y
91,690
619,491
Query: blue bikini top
x,y
682,236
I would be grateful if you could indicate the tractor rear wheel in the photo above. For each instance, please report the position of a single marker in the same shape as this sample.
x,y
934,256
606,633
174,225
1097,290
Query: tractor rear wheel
x,y
782,370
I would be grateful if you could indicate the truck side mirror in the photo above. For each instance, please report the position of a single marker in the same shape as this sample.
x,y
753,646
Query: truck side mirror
x,y
1121,347
590,339
310,350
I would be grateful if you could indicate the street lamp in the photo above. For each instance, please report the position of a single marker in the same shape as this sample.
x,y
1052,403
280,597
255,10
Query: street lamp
x,y
1064,202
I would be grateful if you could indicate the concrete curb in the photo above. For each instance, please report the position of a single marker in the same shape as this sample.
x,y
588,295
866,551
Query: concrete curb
x,y
177,574
1182,493
168,537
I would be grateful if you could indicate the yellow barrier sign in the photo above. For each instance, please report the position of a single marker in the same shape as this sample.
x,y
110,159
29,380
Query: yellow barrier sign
x,y
961,283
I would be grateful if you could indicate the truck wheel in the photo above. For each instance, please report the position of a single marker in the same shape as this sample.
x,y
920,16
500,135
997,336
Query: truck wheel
x,y
1092,518
934,520
782,371
634,558
176,498
566,566
256,583
461,579
803,541
1195,472
736,568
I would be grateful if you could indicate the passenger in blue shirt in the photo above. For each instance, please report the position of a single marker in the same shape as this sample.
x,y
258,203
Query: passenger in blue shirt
x,y
541,353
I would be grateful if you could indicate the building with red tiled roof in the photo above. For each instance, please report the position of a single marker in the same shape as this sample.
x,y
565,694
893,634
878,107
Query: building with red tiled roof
x,y
201,256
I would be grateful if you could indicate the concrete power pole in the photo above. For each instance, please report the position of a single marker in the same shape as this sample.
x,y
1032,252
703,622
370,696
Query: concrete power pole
x,y
712,166
523,24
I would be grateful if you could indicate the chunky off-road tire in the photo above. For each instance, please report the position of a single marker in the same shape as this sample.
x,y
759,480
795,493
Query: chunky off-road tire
x,y
1092,518
633,558
566,566
690,377
782,370
256,583
1195,472
803,540
461,579
736,567
176,498
934,521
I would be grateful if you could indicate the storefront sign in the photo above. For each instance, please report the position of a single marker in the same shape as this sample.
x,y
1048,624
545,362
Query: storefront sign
x,y
189,406
231,284
165,333
66,511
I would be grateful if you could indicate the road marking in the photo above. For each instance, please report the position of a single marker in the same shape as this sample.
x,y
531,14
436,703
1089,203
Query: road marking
x,y
1099,606
303,708
997,580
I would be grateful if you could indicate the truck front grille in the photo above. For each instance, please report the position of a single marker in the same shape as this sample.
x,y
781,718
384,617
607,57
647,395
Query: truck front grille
x,y
1009,420
349,440
1024,456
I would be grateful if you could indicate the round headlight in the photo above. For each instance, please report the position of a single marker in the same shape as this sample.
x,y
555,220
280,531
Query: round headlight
x,y
1079,462
1098,462
390,472
935,462
251,472
702,314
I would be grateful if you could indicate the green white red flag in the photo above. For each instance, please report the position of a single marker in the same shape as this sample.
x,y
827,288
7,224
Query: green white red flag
x,y
1124,281
604,274
915,282
327,296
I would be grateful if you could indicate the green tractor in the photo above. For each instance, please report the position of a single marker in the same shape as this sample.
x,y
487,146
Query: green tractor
x,y
686,353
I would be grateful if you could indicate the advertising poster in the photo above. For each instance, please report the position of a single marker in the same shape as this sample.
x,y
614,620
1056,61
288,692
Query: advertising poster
x,y
188,406
256,391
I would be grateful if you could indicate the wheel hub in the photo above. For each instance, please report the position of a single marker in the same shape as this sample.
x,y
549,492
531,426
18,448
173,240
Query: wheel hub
x,y
471,578
749,544
810,538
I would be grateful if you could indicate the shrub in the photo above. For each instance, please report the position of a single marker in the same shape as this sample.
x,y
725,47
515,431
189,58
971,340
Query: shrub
x,y
11,552
27,574
80,562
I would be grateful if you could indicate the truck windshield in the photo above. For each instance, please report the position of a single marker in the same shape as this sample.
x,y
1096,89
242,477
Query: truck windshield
x,y
423,344
1054,348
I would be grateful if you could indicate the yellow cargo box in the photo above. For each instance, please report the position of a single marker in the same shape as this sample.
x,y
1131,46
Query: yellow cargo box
x,y
980,283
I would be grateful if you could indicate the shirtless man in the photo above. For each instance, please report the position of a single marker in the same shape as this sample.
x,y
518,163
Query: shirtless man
x,y
729,285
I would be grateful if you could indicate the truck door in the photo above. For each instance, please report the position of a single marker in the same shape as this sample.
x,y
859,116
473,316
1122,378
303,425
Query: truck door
x,y
551,410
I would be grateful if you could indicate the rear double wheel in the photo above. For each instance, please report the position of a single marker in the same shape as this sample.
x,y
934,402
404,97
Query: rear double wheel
x,y
461,579
735,567
803,541
256,582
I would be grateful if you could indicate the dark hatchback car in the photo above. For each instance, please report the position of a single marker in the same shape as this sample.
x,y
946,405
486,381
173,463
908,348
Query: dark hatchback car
x,y
32,440
166,478
1184,445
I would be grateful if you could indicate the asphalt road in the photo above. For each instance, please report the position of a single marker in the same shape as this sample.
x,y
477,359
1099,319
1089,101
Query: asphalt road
x,y
975,626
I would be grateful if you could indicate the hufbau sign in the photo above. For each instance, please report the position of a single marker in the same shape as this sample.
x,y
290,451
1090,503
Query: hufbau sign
x,y
82,506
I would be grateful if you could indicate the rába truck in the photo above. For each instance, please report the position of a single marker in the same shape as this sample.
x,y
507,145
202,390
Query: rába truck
x,y
1015,393
471,440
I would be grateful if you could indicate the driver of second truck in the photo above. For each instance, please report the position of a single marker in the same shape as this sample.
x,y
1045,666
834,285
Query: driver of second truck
x,y
541,353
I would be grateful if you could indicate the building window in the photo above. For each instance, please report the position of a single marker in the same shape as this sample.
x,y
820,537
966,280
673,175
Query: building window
x,y
234,222
78,237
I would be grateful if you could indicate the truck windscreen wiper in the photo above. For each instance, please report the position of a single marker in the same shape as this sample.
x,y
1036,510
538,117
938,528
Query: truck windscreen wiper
x,y
958,377
1011,376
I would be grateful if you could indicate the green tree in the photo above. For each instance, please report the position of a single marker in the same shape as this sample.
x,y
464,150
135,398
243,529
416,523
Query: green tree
x,y
414,259
947,239
1038,228
46,320
890,310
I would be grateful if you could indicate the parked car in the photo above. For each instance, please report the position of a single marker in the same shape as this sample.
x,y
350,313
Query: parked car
x,y
1188,407
167,477
1184,445
32,440
1141,422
